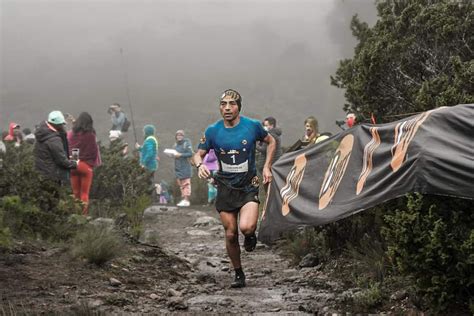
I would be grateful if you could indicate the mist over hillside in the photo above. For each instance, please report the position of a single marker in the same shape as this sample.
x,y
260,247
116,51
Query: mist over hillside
x,y
178,56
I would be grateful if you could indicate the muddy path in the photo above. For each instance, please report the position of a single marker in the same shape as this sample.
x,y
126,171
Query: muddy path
x,y
273,286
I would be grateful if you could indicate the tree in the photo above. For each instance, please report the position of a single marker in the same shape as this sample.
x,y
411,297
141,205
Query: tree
x,y
418,56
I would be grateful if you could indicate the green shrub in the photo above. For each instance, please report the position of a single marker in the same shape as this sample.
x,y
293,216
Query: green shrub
x,y
368,298
97,244
370,261
134,211
118,179
432,239
24,219
308,240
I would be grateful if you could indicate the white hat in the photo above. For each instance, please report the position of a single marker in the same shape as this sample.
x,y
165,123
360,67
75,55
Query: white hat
x,y
113,135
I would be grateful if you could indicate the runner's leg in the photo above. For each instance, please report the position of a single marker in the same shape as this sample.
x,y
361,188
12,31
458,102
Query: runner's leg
x,y
248,218
229,221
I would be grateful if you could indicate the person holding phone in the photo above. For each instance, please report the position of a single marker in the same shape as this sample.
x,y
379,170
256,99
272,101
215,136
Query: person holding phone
x,y
83,148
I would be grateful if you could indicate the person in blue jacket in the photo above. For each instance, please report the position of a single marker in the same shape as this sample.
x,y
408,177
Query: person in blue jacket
x,y
182,167
149,152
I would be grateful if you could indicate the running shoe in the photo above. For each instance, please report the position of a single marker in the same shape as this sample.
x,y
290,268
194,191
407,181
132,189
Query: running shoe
x,y
250,242
239,281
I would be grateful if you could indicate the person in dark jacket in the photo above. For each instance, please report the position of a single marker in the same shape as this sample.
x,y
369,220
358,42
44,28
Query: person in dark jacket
x,y
270,125
51,160
182,167
51,149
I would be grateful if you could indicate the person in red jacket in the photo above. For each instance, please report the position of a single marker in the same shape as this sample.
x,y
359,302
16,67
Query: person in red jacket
x,y
83,143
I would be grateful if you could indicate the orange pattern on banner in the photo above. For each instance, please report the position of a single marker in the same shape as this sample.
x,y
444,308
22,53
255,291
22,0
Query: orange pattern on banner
x,y
336,171
292,186
367,162
404,133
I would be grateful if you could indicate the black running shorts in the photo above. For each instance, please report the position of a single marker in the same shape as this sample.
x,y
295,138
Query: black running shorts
x,y
232,200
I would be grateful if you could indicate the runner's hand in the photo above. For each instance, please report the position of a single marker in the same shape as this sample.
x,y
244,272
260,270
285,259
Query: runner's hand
x,y
267,175
203,172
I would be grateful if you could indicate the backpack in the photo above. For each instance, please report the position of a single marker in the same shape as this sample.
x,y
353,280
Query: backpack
x,y
125,126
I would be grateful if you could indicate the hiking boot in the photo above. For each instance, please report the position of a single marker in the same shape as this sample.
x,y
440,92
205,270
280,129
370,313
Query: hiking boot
x,y
239,281
250,242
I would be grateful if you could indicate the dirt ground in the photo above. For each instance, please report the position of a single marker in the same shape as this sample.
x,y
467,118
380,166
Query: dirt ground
x,y
180,266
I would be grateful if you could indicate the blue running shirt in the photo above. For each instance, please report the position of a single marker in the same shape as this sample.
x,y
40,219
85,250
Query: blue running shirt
x,y
235,150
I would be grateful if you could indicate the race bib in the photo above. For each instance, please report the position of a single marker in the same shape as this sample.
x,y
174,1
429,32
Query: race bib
x,y
235,161
243,167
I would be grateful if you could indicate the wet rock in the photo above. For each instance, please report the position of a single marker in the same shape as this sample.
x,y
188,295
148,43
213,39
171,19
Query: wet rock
x,y
226,301
204,277
197,214
149,236
225,268
151,214
173,292
107,223
153,296
206,221
196,232
114,282
310,260
177,303
95,303
267,271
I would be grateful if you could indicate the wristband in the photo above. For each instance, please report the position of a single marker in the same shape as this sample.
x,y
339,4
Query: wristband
x,y
198,165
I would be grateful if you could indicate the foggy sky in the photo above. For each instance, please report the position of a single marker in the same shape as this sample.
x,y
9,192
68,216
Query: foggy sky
x,y
179,56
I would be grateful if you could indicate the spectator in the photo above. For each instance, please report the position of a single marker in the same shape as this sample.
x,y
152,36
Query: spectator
x,y
83,138
117,117
310,137
149,154
269,124
210,160
182,167
29,136
51,160
14,134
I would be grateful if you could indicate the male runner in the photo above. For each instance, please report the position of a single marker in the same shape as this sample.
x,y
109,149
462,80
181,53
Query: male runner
x,y
233,139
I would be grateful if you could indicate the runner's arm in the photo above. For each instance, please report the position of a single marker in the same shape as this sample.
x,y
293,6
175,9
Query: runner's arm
x,y
203,172
266,172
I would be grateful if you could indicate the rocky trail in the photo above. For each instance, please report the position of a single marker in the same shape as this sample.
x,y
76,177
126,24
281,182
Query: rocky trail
x,y
197,237
180,266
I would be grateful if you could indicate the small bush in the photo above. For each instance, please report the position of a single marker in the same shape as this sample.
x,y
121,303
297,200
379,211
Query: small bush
x,y
118,179
307,240
134,212
369,260
368,298
97,244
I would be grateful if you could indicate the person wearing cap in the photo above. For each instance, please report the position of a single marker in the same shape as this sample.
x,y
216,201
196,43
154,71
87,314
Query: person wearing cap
x,y
51,148
234,140
116,116
182,167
